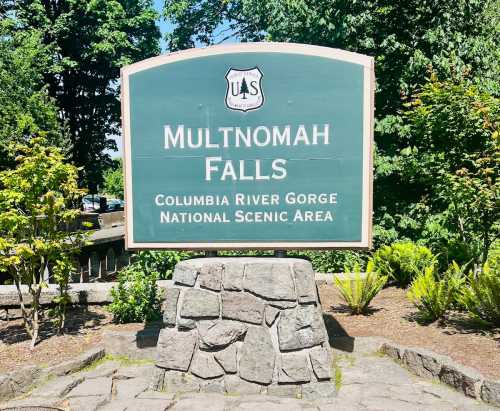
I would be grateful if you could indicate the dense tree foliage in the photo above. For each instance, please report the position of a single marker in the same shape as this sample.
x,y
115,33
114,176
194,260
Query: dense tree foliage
x,y
409,39
113,180
25,106
89,40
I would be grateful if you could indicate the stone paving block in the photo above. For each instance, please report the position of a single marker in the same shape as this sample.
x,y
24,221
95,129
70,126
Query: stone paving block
x,y
178,382
232,276
219,333
242,306
186,323
133,371
199,304
94,387
185,274
211,276
130,388
490,392
271,281
156,395
106,369
284,390
205,402
87,403
318,390
176,348
257,357
170,306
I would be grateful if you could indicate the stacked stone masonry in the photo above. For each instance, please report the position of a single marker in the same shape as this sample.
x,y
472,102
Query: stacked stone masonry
x,y
244,326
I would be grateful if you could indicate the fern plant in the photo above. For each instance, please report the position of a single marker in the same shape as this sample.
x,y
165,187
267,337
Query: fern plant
x,y
433,296
359,291
481,297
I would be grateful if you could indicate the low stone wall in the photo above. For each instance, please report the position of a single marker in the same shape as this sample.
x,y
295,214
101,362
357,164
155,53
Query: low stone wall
x,y
428,364
90,293
24,379
244,325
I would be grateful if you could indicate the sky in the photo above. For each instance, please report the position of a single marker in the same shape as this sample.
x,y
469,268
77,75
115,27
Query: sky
x,y
165,27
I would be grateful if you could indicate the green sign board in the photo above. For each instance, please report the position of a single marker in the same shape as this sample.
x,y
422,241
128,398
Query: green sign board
x,y
258,145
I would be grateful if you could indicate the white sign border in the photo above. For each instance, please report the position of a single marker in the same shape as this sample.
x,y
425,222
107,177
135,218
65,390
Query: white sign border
x,y
290,48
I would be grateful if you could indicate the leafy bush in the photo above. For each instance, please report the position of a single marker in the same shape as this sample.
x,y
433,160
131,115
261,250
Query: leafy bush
x,y
433,296
113,180
401,261
135,298
482,295
160,262
335,261
358,292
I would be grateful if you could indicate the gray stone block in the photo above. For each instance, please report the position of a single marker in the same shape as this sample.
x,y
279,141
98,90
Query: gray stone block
x,y
243,307
257,356
179,382
271,314
461,378
318,390
94,387
58,387
302,327
186,323
321,361
395,351
215,385
76,364
490,392
271,281
235,385
227,359
293,368
284,390
185,273
305,282
199,304
423,362
205,366
211,276
219,333
175,349
130,388
232,276
137,345
156,382
170,306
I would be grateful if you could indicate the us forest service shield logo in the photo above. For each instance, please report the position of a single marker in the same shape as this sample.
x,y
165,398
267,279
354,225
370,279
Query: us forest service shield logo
x,y
244,89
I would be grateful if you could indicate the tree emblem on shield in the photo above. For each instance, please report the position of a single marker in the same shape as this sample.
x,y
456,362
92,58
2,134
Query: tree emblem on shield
x,y
244,89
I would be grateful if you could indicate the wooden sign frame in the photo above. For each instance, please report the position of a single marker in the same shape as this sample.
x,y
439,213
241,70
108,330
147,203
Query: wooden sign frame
x,y
368,123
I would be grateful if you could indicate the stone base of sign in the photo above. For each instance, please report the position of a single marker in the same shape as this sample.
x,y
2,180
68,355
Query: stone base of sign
x,y
244,325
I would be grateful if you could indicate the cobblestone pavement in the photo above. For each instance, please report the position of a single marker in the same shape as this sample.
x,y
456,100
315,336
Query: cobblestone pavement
x,y
367,381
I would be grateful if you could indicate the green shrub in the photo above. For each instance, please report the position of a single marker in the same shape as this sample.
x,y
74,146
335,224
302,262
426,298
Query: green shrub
x,y
160,262
334,261
481,297
135,298
401,261
433,296
358,292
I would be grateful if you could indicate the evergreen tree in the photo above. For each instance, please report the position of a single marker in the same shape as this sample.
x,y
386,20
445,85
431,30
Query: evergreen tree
x,y
244,88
